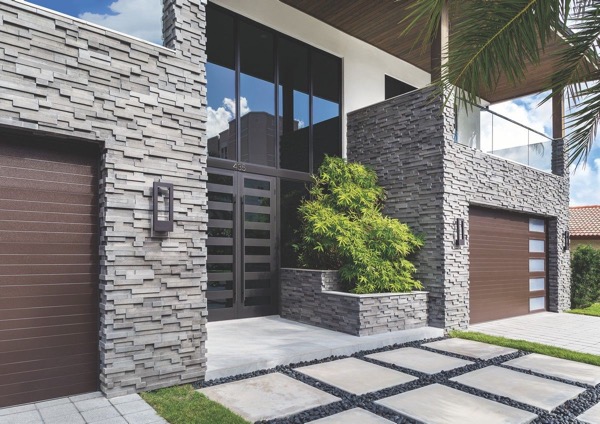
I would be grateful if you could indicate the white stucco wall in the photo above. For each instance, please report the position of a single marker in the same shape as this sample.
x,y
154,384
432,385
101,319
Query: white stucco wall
x,y
364,66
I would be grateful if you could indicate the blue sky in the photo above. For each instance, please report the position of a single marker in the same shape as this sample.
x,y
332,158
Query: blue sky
x,y
142,18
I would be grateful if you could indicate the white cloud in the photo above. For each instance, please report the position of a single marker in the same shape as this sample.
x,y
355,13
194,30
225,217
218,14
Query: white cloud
x,y
139,18
585,184
218,119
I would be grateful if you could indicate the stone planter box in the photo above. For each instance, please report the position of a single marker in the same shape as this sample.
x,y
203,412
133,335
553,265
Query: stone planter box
x,y
314,297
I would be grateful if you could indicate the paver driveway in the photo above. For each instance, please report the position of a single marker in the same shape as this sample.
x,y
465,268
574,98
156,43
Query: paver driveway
x,y
449,381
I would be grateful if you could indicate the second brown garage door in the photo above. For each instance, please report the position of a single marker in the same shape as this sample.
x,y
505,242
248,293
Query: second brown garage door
x,y
507,254
48,269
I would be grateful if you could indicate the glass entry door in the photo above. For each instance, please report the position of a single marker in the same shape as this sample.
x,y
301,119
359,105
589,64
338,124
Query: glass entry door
x,y
242,250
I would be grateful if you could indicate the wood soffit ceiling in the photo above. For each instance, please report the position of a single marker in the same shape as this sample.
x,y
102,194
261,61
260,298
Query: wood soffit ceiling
x,y
379,23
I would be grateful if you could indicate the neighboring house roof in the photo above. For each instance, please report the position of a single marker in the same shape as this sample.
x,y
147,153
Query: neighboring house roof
x,y
585,221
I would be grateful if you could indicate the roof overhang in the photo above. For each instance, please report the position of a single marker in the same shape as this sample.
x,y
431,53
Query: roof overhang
x,y
379,23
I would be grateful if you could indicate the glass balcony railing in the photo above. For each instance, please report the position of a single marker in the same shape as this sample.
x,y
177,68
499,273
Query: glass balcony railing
x,y
498,135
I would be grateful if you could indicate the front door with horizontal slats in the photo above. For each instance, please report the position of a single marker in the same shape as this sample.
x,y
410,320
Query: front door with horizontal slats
x,y
242,255
48,269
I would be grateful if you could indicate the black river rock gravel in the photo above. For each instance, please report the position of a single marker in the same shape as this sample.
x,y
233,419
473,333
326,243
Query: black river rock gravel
x,y
564,414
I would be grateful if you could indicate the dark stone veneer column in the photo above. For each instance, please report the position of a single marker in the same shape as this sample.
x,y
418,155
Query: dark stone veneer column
x,y
431,180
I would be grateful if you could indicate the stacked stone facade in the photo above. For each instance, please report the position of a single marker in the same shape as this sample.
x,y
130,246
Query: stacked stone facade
x,y
144,105
314,297
431,181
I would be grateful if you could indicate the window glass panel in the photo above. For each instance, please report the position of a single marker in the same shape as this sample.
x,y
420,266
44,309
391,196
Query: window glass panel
x,y
257,301
536,265
292,193
257,200
326,106
536,284
257,184
536,225
536,246
257,95
293,105
537,303
220,85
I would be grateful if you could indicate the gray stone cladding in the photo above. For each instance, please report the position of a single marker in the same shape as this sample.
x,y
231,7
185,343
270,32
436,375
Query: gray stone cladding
x,y
314,297
145,106
431,180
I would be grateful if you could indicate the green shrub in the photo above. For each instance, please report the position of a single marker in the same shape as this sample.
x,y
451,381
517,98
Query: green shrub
x,y
585,277
343,228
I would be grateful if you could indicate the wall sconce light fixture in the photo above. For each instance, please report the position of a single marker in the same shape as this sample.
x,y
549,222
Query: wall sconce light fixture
x,y
567,245
459,232
162,207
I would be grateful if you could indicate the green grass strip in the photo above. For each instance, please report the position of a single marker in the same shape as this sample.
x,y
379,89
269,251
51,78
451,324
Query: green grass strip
x,y
524,345
593,310
184,405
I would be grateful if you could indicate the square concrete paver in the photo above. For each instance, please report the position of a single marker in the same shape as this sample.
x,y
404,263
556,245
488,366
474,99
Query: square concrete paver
x,y
470,348
437,404
419,360
353,416
535,391
591,416
355,376
556,367
268,396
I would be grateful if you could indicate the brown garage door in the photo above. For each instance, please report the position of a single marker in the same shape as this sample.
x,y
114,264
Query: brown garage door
x,y
507,264
48,269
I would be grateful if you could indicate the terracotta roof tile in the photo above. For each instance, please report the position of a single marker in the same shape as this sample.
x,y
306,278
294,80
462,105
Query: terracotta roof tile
x,y
585,221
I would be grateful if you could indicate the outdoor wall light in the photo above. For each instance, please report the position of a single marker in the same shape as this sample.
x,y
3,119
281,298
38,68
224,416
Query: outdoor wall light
x,y
162,207
459,232
567,245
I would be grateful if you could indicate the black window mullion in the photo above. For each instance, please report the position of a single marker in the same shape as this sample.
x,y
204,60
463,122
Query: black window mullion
x,y
238,120
310,113
277,99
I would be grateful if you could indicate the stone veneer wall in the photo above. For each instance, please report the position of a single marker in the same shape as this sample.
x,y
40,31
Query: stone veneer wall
x,y
145,106
313,297
432,180
389,137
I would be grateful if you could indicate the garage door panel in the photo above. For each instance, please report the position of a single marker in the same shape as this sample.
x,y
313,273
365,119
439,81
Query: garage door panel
x,y
28,302
499,264
15,199
37,322
29,372
49,268
47,237
55,311
48,331
45,352
33,173
15,369
58,278
73,377
47,227
46,248
63,340
48,259
49,217
44,186
13,161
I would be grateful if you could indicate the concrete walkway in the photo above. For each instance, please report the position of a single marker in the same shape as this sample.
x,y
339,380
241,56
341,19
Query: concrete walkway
x,y
82,409
449,381
245,345
569,331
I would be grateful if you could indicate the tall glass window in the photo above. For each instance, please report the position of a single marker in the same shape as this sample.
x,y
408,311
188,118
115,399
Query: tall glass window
x,y
221,96
326,79
257,95
294,109
262,87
